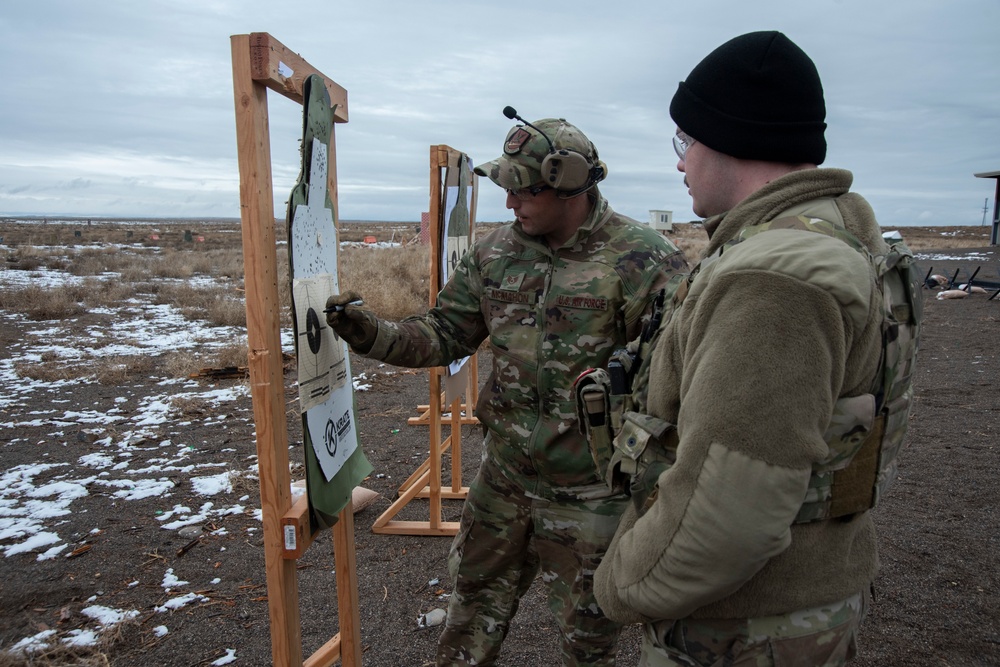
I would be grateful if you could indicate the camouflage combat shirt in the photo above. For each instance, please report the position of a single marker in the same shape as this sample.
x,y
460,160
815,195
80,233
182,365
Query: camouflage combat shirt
x,y
549,315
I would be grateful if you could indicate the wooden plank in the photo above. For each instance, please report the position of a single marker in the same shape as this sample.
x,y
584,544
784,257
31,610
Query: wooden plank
x,y
434,223
345,564
264,342
443,529
425,482
419,473
344,553
296,529
325,655
446,494
285,72
456,437
384,525
435,457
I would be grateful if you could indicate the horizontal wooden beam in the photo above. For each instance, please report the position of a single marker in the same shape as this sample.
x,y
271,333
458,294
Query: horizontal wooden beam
x,y
444,155
285,72
445,528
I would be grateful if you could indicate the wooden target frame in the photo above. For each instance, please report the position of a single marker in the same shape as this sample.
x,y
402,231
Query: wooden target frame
x,y
261,62
426,481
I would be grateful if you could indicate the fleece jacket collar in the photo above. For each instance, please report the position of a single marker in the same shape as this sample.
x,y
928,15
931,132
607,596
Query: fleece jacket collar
x,y
775,197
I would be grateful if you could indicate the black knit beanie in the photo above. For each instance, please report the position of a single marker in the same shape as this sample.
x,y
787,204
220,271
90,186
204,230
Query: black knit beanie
x,y
756,97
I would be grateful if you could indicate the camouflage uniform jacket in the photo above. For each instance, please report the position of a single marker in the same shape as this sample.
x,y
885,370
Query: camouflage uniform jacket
x,y
549,315
771,333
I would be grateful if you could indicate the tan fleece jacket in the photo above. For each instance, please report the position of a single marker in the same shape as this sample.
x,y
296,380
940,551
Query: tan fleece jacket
x,y
771,334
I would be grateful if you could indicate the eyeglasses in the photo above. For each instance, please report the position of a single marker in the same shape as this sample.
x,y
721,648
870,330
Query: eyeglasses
x,y
682,142
524,194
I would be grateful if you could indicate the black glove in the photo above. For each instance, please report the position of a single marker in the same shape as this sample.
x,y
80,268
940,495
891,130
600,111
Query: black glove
x,y
357,327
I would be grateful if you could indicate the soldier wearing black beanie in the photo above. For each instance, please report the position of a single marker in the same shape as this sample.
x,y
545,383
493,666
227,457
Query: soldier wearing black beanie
x,y
756,97
735,550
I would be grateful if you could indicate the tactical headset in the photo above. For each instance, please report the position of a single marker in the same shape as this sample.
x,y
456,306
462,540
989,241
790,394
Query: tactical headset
x,y
567,171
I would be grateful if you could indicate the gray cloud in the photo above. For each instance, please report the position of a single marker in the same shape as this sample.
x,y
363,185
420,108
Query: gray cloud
x,y
134,100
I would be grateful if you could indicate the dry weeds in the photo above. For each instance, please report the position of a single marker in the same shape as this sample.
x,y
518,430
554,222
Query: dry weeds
x,y
394,282
161,262
39,303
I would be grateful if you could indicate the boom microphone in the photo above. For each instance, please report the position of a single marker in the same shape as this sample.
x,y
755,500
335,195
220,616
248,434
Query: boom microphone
x,y
511,113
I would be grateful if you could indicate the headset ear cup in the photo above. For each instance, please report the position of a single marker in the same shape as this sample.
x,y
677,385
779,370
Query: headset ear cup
x,y
566,170
600,171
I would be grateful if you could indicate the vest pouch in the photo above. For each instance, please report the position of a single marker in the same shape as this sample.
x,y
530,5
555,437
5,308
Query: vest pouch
x,y
839,480
896,416
593,412
644,447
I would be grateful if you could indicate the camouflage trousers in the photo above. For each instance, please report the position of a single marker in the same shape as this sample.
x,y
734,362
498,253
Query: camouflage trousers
x,y
505,539
824,636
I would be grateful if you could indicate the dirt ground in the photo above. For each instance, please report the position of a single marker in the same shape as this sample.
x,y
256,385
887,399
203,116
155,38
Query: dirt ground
x,y
938,591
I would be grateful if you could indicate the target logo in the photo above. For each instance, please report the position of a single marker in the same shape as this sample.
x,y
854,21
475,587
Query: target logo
x,y
330,437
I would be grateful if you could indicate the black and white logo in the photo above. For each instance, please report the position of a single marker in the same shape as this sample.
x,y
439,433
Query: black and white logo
x,y
330,437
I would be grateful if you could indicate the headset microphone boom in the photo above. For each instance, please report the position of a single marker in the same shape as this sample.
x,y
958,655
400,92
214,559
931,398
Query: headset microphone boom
x,y
568,171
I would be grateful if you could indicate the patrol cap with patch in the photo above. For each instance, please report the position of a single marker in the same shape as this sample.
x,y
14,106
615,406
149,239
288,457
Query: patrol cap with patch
x,y
569,158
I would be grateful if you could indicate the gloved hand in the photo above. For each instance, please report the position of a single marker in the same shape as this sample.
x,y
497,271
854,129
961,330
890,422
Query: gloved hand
x,y
357,327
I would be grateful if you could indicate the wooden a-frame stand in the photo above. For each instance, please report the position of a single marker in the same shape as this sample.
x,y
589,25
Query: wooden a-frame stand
x,y
425,482
261,62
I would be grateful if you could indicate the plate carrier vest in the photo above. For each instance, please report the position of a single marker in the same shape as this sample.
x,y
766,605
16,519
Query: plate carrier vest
x,y
865,434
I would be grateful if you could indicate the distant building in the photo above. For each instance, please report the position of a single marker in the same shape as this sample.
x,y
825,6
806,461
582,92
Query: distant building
x,y
661,220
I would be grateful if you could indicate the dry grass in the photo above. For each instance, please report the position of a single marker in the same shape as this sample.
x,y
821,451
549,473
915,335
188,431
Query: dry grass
x,y
244,482
63,655
233,354
120,369
111,370
49,370
190,407
691,238
394,282
120,264
39,303
932,238
219,305
185,363
59,656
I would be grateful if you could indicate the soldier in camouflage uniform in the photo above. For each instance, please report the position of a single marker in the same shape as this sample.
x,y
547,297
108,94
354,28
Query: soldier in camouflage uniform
x,y
554,293
776,394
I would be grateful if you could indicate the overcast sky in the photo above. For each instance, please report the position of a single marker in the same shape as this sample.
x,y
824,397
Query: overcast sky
x,y
126,108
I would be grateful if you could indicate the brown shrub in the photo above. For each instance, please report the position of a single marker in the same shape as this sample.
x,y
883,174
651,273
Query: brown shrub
x,y
394,282
233,354
190,406
93,261
217,304
42,303
51,370
172,264
109,293
118,369
185,363
57,656
181,363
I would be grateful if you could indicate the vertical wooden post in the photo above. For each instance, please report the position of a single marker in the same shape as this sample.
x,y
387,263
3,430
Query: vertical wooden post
x,y
261,62
267,384
434,485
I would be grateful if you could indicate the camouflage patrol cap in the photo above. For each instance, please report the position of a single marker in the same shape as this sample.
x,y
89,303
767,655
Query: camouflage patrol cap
x,y
526,147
